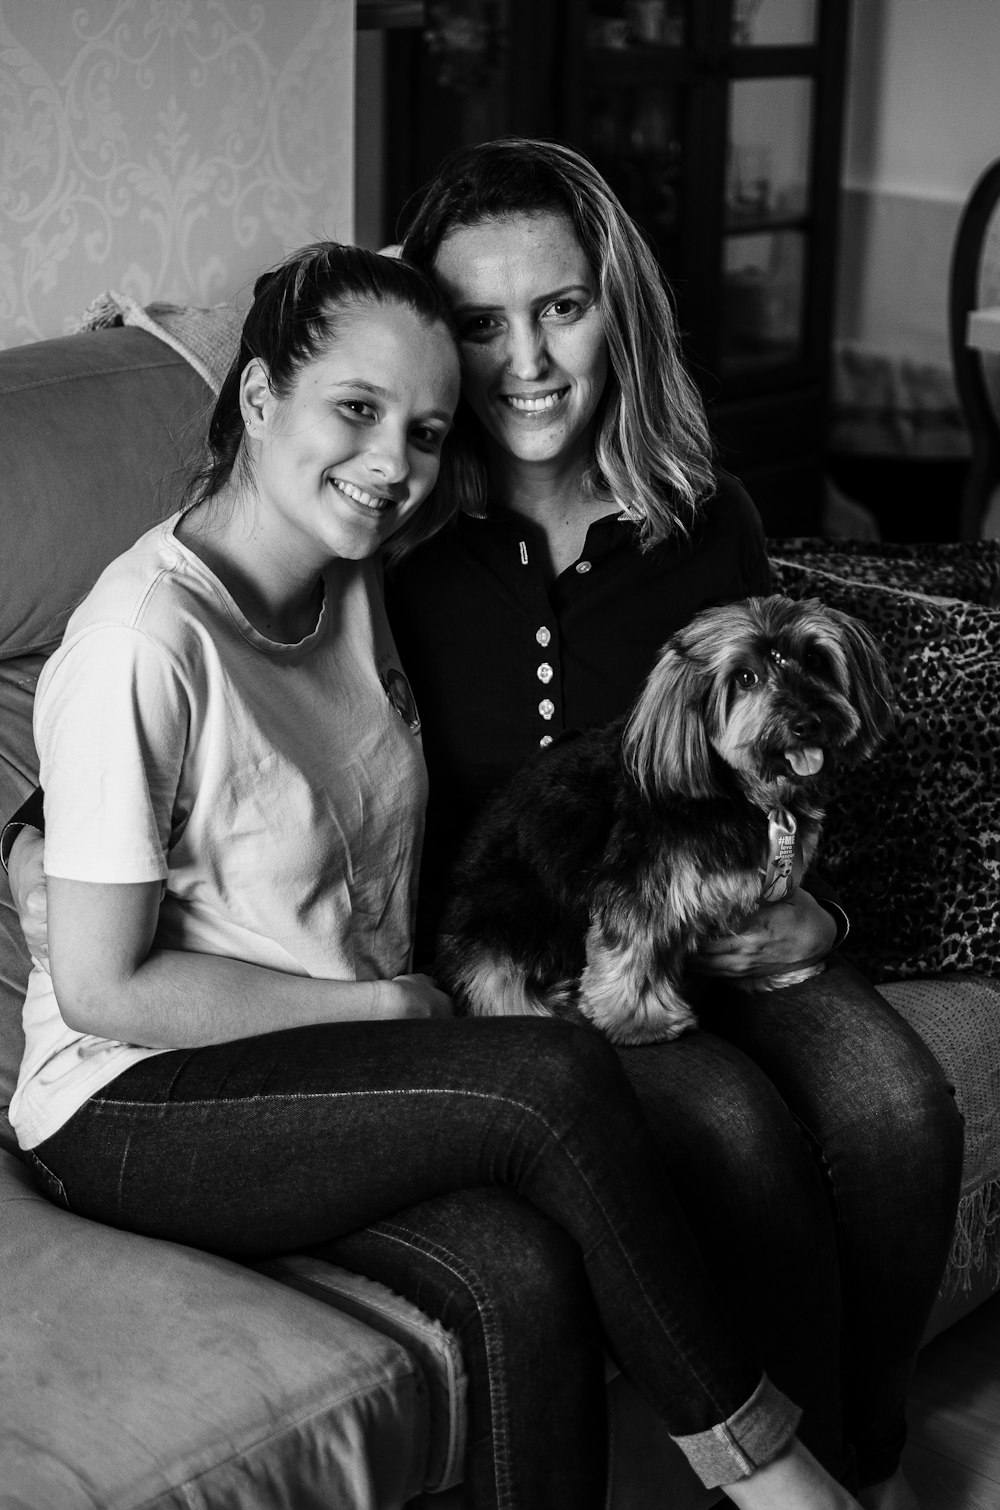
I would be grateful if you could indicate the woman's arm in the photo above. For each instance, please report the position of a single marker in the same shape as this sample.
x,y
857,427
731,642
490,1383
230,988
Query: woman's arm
x,y
26,874
110,981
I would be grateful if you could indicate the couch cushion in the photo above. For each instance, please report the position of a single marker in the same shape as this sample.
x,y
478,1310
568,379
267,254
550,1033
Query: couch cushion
x,y
912,839
99,432
140,1373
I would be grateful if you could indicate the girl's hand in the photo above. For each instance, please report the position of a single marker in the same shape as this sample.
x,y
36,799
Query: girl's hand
x,y
417,996
27,888
776,938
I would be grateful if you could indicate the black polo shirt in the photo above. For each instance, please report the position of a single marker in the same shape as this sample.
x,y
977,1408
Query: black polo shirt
x,y
502,660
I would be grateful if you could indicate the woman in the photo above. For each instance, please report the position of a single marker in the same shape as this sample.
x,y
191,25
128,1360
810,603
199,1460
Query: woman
x,y
227,1048
812,1130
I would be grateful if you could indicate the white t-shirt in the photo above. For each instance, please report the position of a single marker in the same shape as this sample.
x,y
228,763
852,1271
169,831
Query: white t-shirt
x,y
276,791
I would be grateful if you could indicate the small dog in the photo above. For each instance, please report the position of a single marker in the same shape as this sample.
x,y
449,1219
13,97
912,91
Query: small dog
x,y
615,854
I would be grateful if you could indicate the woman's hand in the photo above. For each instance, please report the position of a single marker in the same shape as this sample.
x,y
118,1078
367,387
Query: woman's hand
x,y
778,937
26,872
415,996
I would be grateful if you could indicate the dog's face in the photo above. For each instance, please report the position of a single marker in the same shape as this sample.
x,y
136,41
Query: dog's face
x,y
773,687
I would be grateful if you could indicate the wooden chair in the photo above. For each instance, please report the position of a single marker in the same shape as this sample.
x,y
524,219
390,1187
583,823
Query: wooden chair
x,y
977,373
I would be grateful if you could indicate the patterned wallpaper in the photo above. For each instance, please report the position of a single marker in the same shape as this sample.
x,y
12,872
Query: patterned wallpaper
x,y
168,149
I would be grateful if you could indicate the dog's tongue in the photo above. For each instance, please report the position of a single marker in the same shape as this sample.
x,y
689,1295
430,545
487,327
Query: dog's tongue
x,y
805,762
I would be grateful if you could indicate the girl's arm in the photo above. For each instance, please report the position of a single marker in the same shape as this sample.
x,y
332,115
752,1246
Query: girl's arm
x,y
110,981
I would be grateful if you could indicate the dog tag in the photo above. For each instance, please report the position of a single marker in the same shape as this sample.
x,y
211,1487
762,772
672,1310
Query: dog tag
x,y
778,879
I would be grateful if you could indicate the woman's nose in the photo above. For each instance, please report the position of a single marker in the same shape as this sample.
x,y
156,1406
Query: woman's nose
x,y
527,356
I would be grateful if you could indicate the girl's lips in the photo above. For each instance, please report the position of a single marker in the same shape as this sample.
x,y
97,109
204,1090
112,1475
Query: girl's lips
x,y
374,503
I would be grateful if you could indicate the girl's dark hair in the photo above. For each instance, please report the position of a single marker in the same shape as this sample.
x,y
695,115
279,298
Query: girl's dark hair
x,y
652,453
292,321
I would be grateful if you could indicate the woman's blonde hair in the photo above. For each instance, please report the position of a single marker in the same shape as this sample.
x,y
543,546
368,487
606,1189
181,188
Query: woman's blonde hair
x,y
652,453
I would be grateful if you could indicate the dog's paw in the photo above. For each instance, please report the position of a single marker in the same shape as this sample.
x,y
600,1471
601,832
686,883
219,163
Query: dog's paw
x,y
492,985
627,997
650,1022
626,1006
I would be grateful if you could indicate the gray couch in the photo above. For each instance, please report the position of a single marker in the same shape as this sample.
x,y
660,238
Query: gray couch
x,y
142,1373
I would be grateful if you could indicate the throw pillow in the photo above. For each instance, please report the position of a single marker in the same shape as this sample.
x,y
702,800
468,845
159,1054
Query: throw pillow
x,y
912,839
968,569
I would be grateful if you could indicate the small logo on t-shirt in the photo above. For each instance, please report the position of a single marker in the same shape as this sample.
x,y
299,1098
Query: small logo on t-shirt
x,y
397,690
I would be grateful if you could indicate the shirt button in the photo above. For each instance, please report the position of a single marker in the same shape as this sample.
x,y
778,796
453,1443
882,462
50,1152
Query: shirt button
x,y
546,707
545,672
583,567
543,636
545,741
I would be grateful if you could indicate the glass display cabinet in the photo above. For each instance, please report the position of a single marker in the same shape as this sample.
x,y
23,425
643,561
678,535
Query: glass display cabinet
x,y
718,123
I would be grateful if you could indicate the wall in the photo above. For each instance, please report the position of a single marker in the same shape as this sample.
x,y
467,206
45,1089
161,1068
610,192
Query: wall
x,y
923,121
369,146
168,149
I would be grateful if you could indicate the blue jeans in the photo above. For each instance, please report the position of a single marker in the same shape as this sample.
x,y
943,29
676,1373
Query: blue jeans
x,y
816,1149
498,1173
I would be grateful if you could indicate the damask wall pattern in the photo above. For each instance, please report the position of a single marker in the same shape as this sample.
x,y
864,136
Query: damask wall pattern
x,y
168,149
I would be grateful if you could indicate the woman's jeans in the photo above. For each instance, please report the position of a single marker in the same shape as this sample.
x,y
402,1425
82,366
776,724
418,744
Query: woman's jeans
x,y
791,1213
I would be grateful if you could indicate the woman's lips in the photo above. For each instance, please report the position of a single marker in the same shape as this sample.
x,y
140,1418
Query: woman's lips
x,y
534,403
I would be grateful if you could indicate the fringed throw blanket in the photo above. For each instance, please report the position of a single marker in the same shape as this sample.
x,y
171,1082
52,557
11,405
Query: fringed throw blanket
x,y
206,338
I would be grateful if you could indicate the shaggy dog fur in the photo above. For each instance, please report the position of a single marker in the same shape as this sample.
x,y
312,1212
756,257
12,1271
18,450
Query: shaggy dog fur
x,y
607,862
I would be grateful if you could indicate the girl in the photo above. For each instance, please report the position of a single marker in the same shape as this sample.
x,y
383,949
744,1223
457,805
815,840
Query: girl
x,y
224,1051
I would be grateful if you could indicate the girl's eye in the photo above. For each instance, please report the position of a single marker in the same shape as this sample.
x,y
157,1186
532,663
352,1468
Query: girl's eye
x,y
359,408
428,439
745,678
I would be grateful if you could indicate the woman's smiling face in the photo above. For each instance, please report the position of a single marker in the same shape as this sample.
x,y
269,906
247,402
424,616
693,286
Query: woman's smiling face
x,y
532,343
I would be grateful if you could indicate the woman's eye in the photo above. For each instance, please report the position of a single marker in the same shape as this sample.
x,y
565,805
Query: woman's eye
x,y
478,328
745,678
564,309
429,440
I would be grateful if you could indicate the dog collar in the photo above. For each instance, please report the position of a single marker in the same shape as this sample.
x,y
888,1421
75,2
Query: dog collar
x,y
778,876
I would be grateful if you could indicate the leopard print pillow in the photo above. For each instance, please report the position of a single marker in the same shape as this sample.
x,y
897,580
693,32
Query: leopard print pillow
x,y
968,569
912,839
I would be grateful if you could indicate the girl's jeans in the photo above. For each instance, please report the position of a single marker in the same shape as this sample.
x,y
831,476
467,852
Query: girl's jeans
x,y
793,1217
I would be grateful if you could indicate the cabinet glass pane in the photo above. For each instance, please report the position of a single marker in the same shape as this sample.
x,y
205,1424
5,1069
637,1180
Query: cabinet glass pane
x,y
763,280
770,147
634,139
774,23
624,24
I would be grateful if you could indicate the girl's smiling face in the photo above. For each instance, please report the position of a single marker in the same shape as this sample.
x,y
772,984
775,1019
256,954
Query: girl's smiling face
x,y
533,349
347,457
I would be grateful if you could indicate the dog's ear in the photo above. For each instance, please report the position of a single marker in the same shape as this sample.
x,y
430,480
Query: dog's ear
x,y
870,691
666,744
